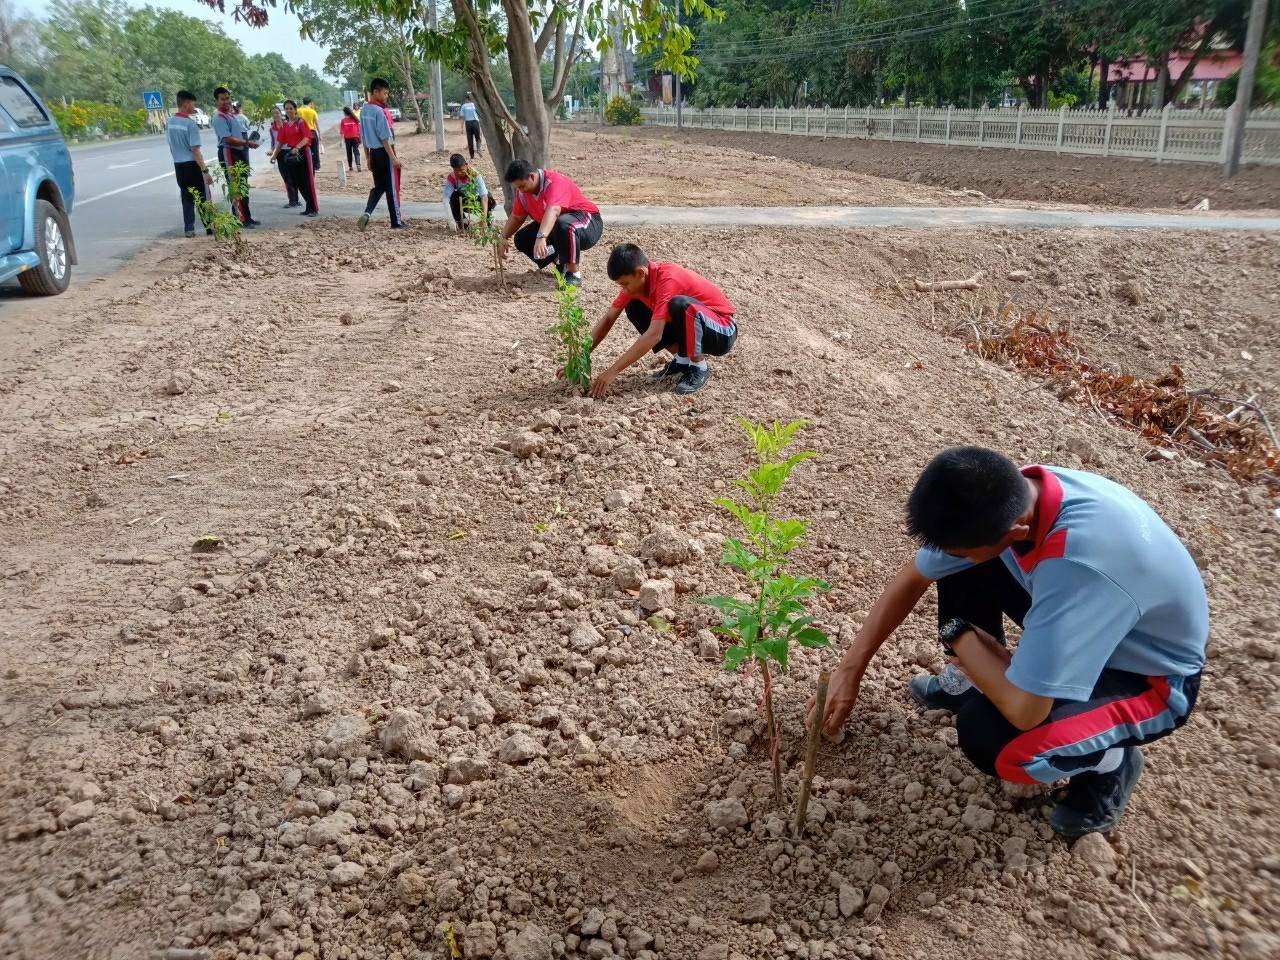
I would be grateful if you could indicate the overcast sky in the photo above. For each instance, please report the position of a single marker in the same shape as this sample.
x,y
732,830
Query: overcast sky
x,y
280,35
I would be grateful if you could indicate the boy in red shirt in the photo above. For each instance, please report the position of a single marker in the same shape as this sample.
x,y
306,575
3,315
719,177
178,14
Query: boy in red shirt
x,y
564,223
673,309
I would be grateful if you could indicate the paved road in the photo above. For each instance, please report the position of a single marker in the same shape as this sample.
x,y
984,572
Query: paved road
x,y
126,197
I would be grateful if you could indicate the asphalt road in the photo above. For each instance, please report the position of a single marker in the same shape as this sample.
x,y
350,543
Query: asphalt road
x,y
126,198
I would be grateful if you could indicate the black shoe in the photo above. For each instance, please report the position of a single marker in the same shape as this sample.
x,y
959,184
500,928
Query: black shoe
x,y
1094,802
253,223
674,368
249,224
208,233
188,233
694,379
927,691
311,213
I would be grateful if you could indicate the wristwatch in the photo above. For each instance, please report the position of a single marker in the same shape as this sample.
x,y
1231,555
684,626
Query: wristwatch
x,y
541,235
950,631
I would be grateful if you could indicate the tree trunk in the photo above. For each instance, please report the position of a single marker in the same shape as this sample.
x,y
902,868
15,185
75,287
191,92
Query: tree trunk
x,y
406,69
1104,88
1162,83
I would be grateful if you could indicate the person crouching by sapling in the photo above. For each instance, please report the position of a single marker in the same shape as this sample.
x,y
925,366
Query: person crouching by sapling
x,y
673,309
564,223
461,176
1114,621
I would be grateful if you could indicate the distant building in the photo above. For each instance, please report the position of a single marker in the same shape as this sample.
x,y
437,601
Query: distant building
x,y
1133,79
618,65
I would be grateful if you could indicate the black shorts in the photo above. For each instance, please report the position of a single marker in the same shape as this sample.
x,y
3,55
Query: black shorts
x,y
692,331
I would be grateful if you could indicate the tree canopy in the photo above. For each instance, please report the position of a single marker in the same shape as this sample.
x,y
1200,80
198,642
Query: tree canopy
x,y
110,52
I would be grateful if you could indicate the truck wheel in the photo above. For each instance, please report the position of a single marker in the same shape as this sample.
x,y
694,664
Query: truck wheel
x,y
53,275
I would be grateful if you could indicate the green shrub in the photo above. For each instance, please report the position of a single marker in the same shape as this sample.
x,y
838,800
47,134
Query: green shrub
x,y
622,112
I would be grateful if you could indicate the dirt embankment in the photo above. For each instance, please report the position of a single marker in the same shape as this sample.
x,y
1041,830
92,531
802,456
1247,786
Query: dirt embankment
x,y
321,634
1030,176
667,172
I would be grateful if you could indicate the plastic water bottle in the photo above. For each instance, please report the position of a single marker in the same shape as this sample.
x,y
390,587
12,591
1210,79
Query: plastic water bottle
x,y
953,680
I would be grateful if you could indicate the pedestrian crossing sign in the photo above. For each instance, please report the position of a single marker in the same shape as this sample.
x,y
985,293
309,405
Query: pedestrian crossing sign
x,y
153,100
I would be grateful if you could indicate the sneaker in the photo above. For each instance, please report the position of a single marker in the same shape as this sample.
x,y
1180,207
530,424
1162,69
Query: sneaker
x,y
311,213
189,233
694,379
1094,802
253,223
927,691
362,221
397,226
572,279
674,368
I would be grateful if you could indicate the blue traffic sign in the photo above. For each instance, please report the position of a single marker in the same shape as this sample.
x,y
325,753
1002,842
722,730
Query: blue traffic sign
x,y
153,100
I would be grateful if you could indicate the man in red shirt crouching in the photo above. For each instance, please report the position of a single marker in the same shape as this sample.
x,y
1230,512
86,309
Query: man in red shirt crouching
x,y
673,309
563,221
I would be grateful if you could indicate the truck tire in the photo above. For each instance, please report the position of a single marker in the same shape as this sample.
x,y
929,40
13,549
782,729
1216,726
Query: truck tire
x,y
53,244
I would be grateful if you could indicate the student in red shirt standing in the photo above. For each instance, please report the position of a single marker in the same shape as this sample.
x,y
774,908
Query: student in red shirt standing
x,y
350,129
672,309
277,125
564,223
293,153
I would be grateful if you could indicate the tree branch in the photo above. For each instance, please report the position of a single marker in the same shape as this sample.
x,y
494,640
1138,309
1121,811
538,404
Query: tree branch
x,y
1205,40
478,53
565,58
547,31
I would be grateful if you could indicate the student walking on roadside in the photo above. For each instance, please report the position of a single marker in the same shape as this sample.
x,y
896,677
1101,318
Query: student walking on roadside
x,y
1114,621
277,125
350,129
564,223
189,166
462,175
293,153
672,309
380,155
232,131
472,120
308,113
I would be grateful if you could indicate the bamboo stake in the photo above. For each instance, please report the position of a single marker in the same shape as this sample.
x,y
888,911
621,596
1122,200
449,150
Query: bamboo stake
x,y
811,754
775,754
972,283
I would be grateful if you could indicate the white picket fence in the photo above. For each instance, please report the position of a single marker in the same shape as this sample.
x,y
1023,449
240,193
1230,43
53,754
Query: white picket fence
x,y
1168,134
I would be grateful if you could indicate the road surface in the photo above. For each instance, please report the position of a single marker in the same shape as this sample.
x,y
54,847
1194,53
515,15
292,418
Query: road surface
x,y
126,198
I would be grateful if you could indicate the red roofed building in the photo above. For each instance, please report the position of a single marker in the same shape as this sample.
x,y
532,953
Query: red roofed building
x,y
1133,79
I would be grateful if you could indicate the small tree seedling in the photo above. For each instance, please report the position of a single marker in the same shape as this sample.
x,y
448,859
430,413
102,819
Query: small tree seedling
x,y
762,627
574,333
225,224
482,230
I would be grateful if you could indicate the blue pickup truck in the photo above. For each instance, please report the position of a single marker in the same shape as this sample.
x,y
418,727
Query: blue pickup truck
x,y
37,189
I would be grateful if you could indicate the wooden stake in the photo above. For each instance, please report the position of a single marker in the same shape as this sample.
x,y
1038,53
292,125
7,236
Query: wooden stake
x,y
934,286
811,754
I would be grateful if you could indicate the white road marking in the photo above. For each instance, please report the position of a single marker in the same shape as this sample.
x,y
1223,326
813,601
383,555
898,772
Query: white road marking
x,y
121,166
112,193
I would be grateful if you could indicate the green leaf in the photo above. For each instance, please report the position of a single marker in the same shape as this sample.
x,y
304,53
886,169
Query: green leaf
x,y
658,623
812,637
734,656
725,604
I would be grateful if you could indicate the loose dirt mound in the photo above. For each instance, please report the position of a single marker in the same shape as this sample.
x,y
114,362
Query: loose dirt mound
x,y
1003,174
407,695
667,172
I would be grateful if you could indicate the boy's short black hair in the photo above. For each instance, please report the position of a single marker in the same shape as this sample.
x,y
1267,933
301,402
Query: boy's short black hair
x,y
519,170
624,259
219,91
346,111
379,84
457,161
966,497
306,101
184,96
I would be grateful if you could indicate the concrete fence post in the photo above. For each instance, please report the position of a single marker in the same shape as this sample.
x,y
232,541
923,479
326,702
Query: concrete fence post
x,y
1062,122
1164,131
919,120
893,116
870,133
1017,136
947,137
1106,136
846,120
982,126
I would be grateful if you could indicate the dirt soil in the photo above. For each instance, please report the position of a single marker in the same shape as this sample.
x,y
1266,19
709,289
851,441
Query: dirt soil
x,y
999,174
613,170
322,641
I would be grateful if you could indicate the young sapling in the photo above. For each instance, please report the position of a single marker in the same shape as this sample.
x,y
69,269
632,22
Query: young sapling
x,y
762,627
483,231
573,331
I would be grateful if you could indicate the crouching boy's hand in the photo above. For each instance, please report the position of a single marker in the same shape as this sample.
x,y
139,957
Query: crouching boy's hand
x,y
600,385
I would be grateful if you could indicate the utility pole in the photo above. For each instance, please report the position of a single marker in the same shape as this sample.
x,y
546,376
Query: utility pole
x,y
437,85
1244,91
679,93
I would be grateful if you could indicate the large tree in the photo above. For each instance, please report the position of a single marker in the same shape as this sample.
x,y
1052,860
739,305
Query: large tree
x,y
528,33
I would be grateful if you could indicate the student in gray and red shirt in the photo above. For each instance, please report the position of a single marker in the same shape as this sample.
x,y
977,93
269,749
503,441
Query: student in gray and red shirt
x,y
672,309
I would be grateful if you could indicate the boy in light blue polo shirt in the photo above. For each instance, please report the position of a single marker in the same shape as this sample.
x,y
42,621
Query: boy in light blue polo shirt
x,y
183,136
1114,626
380,155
